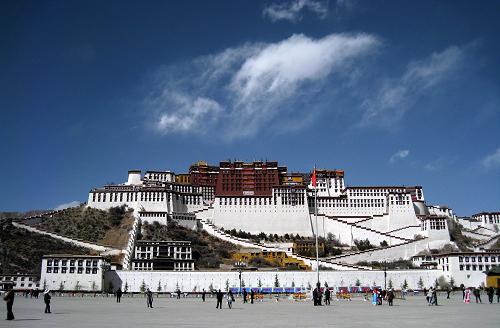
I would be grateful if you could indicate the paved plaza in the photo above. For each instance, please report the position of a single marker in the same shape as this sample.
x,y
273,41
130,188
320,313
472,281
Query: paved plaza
x,y
74,312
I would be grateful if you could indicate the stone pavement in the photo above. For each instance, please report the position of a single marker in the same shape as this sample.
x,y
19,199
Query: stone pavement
x,y
74,312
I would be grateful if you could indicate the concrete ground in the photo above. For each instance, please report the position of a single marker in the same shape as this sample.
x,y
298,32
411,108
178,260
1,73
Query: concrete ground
x,y
74,312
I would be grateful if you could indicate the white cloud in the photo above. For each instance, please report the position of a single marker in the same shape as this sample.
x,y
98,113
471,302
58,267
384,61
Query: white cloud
x,y
396,96
439,163
291,10
491,161
242,90
400,154
67,205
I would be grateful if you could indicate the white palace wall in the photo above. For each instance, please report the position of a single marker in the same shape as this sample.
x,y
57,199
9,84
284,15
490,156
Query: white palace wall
x,y
199,280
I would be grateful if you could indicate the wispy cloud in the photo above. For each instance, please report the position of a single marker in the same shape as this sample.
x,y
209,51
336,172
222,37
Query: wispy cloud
x,y
67,205
243,90
292,10
398,95
400,154
491,161
439,163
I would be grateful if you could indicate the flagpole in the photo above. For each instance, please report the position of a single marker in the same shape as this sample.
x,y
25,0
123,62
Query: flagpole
x,y
316,219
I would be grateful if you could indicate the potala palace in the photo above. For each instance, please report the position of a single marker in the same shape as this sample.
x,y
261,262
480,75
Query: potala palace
x,y
263,197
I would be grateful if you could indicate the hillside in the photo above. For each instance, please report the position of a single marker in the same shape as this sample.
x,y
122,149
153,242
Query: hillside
x,y
208,251
104,227
22,251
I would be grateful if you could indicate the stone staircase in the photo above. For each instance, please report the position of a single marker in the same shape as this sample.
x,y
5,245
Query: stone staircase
x,y
217,232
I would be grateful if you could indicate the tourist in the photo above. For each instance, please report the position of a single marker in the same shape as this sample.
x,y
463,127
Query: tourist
x,y
203,295
219,300
9,301
429,296
490,293
230,299
467,296
319,294
315,296
178,294
477,294
434,297
327,296
252,295
498,294
462,287
426,295
375,296
149,298
448,291
390,296
118,295
46,299
244,295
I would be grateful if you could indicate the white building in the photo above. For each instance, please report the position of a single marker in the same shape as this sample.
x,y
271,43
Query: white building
x,y
488,220
21,281
73,272
163,255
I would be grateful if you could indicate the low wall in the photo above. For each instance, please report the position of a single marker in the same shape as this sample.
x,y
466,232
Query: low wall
x,y
199,280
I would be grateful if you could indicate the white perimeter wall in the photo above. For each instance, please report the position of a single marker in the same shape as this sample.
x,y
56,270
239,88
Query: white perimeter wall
x,y
198,280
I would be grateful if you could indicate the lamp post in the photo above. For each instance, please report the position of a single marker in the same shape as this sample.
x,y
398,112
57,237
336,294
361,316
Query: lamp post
x,y
240,265
385,274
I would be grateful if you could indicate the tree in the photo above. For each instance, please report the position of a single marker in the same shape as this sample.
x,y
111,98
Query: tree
x,y
177,286
227,284
452,283
211,287
111,288
443,284
276,281
158,289
436,283
405,284
242,282
125,289
326,284
420,283
259,283
93,286
358,283
142,287
78,286
384,243
61,286
44,284
293,283
389,284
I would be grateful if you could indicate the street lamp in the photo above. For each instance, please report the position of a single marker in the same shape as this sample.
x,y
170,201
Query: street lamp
x,y
385,274
240,265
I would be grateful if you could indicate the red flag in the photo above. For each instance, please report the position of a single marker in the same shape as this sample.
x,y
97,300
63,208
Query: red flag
x,y
313,179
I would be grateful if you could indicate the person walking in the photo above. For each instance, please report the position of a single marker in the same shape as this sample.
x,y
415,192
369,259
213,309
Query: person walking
x,y
252,295
149,296
46,299
448,291
178,294
390,296
434,297
375,296
477,294
491,293
327,296
9,301
315,296
219,300
203,293
429,296
467,296
118,295
230,299
498,294
462,287
245,295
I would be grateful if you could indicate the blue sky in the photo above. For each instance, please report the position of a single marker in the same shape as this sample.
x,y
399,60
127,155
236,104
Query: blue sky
x,y
393,92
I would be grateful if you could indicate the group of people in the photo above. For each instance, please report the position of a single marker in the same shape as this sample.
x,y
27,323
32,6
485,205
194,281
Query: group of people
x,y
318,295
381,294
9,300
431,296
490,291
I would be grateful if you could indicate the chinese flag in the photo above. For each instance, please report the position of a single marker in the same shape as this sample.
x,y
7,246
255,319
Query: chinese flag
x,y
313,180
